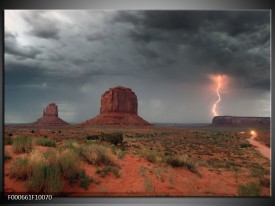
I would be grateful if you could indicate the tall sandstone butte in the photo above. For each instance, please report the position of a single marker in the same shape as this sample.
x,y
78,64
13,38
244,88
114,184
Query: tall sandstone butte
x,y
50,118
241,121
119,106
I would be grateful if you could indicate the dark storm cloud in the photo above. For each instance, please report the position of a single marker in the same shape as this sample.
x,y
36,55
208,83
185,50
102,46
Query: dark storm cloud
x,y
227,42
42,26
14,48
166,57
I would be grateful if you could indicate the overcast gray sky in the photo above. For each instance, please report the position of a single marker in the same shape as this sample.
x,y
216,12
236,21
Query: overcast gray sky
x,y
166,57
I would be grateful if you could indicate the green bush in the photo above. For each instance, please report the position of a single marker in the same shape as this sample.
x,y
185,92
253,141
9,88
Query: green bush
x,y
92,137
20,169
108,169
45,142
183,161
84,180
245,145
257,171
54,182
97,154
8,140
36,181
114,138
45,178
53,157
150,156
250,189
22,144
69,162
72,144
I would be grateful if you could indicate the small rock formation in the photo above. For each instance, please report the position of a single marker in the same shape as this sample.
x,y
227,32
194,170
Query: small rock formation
x,y
50,118
241,121
119,106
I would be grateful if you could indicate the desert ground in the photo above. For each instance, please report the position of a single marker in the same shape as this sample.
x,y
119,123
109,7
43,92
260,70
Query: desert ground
x,y
138,161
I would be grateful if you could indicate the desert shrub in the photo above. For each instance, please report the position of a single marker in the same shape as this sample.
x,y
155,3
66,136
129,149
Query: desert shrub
x,y
7,155
265,182
108,169
121,155
8,140
22,144
257,171
54,182
36,181
97,154
36,157
45,142
117,151
92,137
84,180
143,170
245,145
150,156
45,178
53,158
183,161
20,169
69,162
249,189
114,138
149,187
72,144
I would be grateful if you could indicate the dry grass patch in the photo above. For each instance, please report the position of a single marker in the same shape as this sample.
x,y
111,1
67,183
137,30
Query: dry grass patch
x,y
184,161
20,169
22,144
45,142
69,161
97,154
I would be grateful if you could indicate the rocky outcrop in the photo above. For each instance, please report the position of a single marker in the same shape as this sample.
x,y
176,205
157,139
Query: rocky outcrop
x,y
241,121
50,118
119,106
119,100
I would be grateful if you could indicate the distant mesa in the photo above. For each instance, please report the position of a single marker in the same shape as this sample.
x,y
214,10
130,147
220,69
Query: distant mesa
x,y
50,118
119,106
241,121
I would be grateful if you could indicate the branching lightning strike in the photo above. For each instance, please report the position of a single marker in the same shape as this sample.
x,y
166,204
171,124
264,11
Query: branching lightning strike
x,y
215,113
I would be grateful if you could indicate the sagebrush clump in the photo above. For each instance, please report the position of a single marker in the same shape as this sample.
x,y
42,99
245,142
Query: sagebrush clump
x,y
22,144
97,154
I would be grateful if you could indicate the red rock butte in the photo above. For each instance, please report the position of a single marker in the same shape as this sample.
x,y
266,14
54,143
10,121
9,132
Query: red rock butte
x,y
119,106
50,118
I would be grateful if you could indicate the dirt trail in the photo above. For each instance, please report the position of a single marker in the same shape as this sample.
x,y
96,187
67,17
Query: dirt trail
x,y
264,150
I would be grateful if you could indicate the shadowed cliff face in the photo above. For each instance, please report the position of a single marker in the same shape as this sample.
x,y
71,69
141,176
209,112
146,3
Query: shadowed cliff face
x,y
119,106
240,121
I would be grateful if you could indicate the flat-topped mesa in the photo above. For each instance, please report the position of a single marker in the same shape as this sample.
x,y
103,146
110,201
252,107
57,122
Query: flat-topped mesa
x,y
120,100
119,106
50,118
241,121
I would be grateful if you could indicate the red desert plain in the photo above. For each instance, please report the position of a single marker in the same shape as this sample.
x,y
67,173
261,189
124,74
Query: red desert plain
x,y
118,153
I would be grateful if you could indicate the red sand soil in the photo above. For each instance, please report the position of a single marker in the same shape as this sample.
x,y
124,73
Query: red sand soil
x,y
175,182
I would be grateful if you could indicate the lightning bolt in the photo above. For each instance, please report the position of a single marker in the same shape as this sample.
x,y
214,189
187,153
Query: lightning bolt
x,y
215,113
